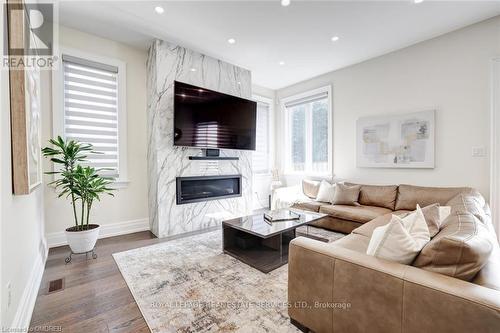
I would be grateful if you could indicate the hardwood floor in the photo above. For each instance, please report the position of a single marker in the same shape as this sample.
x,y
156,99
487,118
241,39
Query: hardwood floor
x,y
95,297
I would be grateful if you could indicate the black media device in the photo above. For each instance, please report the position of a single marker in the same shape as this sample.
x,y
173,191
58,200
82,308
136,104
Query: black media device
x,y
212,152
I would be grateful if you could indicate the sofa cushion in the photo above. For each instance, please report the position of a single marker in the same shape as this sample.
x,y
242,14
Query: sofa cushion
x,y
354,242
472,203
312,206
375,195
361,214
367,228
461,248
409,196
310,188
346,195
336,224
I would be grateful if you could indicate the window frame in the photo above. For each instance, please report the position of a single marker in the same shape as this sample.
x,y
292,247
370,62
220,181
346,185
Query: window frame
x,y
270,134
58,105
286,155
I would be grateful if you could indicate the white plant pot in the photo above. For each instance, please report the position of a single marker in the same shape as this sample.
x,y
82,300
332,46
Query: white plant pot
x,y
82,241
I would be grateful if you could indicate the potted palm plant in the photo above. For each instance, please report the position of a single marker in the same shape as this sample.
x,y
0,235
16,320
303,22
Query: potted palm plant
x,y
83,185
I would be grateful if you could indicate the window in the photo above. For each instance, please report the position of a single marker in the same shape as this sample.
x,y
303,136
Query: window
x,y
93,110
308,132
261,157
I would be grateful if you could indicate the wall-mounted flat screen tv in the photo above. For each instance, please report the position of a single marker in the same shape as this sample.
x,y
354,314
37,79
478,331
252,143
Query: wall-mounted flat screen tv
x,y
205,118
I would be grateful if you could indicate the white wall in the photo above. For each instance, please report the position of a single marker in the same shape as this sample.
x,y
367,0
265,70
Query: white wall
x,y
23,248
128,210
450,74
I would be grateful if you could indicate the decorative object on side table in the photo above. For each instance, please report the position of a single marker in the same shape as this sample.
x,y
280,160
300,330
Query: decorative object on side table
x,y
81,184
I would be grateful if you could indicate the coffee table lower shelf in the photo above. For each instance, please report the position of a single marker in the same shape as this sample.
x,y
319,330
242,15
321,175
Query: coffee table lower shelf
x,y
264,254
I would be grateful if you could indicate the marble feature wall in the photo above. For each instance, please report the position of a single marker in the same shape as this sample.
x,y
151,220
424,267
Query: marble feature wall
x,y
166,63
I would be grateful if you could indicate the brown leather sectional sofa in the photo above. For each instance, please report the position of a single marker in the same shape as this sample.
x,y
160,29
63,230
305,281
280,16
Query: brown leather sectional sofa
x,y
375,201
453,285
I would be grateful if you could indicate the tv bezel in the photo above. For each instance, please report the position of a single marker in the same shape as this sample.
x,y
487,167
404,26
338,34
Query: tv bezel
x,y
211,147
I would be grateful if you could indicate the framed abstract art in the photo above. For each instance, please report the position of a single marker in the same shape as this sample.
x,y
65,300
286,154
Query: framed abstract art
x,y
396,141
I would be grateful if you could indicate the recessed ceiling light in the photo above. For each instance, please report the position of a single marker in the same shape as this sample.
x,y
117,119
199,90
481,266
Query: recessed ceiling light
x,y
239,83
193,69
285,3
281,63
159,9
231,40
418,1
335,38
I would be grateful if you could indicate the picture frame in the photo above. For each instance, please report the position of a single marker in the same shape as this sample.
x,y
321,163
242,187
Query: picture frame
x,y
402,140
25,111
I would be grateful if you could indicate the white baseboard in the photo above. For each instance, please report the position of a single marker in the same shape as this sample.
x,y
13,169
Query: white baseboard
x,y
26,305
55,239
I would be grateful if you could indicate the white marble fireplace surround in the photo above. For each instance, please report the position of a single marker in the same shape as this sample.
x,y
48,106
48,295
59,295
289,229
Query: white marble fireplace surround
x,y
168,62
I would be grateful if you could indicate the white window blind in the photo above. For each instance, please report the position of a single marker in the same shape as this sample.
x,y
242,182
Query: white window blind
x,y
307,99
260,157
91,110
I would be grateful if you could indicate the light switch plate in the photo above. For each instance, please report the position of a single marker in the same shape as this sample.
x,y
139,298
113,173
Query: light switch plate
x,y
479,151
9,294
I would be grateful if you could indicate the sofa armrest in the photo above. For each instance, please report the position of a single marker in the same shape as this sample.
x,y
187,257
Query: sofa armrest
x,y
284,197
331,288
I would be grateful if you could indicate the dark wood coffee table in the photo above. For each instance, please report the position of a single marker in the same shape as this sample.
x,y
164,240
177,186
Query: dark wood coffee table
x,y
261,244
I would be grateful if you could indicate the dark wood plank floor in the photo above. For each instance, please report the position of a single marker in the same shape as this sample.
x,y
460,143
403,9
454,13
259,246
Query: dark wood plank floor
x,y
95,297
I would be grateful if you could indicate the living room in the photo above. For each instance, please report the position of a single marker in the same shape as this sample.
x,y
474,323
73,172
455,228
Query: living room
x,y
250,166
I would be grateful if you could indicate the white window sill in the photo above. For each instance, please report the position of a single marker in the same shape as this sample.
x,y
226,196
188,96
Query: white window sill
x,y
309,174
120,184
305,173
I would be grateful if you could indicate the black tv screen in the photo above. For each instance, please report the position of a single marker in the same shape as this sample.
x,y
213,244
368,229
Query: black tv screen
x,y
208,119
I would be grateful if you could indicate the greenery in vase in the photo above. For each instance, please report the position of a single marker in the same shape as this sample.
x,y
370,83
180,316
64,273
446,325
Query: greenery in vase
x,y
81,184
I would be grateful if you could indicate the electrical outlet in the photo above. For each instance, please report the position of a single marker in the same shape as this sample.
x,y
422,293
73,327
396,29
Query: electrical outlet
x,y
479,151
9,294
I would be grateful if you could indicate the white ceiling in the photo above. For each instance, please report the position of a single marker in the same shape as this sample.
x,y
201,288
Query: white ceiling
x,y
267,33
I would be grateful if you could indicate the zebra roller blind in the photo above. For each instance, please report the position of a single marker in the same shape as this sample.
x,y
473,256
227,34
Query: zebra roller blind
x,y
91,110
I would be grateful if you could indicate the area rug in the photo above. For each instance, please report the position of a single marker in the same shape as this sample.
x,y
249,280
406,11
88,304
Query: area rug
x,y
189,285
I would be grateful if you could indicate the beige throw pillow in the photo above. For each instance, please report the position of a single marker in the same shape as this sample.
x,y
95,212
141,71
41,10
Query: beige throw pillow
x,y
401,239
346,195
326,192
432,218
310,188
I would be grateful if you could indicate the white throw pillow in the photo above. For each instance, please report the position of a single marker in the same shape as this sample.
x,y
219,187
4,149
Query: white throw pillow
x,y
401,239
444,212
326,192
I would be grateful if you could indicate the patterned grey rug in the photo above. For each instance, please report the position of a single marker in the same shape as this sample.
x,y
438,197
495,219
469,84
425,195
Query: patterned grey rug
x,y
189,285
